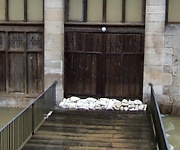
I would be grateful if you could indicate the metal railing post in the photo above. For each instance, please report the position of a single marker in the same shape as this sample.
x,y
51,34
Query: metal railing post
x,y
32,118
157,121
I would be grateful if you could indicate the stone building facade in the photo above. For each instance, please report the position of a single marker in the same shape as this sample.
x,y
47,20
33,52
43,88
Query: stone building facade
x,y
161,53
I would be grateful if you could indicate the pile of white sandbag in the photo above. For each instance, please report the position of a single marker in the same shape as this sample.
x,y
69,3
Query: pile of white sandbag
x,y
102,104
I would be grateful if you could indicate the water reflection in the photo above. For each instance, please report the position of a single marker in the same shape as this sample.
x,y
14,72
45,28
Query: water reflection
x,y
6,114
172,129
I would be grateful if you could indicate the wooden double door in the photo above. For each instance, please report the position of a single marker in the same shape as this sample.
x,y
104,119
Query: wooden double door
x,y
21,60
104,64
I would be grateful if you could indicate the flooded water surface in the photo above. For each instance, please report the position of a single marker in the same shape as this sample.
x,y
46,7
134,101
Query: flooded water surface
x,y
172,129
6,114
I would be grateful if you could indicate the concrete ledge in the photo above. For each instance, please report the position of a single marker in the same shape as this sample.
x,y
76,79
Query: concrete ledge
x,y
176,110
165,104
15,102
165,108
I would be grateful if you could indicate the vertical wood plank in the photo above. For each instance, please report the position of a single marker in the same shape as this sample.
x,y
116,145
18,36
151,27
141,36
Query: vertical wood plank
x,y
26,67
7,61
16,72
104,11
123,10
66,2
2,41
43,10
144,10
25,10
7,10
84,10
2,72
34,72
32,76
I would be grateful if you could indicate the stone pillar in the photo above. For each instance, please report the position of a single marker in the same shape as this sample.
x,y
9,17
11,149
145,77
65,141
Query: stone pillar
x,y
54,45
154,56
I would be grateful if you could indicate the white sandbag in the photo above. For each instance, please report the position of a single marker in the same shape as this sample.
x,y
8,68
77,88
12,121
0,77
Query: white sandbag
x,y
126,108
92,106
130,102
74,98
91,99
117,105
125,102
98,107
133,109
104,99
131,106
85,106
110,104
137,102
141,107
121,108
72,105
145,107
61,104
103,102
79,104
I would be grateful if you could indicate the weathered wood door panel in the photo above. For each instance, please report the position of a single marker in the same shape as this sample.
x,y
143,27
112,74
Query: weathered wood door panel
x,y
81,73
16,72
34,72
81,59
21,60
124,65
104,64
123,78
2,71
2,62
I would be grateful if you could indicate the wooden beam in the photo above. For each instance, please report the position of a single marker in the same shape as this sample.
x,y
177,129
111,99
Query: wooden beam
x,y
104,11
84,10
167,6
66,16
123,10
25,10
6,10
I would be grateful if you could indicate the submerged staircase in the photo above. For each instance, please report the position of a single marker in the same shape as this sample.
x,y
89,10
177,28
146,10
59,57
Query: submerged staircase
x,y
64,129
81,129
94,130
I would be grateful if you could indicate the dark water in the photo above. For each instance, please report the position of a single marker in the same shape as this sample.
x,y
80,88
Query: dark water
x,y
6,114
172,129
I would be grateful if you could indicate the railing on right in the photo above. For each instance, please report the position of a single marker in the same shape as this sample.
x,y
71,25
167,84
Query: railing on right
x,y
20,129
157,121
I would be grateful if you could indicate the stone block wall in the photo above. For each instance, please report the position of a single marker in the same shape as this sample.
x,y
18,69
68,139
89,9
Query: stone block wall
x,y
154,47
172,65
162,57
54,45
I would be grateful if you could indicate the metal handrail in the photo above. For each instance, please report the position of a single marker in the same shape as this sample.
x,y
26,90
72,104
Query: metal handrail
x,y
18,131
157,121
